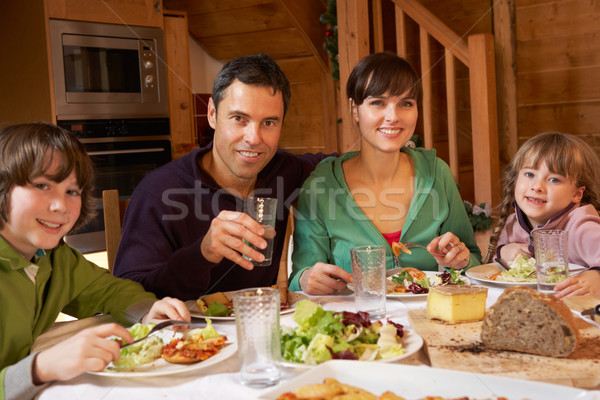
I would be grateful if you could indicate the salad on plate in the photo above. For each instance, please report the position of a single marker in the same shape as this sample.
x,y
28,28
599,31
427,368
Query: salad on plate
x,y
521,270
325,335
412,280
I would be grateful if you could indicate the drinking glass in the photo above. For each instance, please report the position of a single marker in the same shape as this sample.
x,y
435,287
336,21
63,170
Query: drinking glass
x,y
368,272
551,258
264,211
257,324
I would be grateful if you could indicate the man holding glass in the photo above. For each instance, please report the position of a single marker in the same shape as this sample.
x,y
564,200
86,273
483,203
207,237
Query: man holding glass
x,y
184,232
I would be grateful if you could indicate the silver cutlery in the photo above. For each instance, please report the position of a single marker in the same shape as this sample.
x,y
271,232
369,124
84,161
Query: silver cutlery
x,y
157,328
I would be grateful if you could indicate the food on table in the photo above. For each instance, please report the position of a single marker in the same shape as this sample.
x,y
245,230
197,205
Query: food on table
x,y
521,270
220,304
456,304
416,281
195,345
324,335
398,247
332,389
140,353
528,321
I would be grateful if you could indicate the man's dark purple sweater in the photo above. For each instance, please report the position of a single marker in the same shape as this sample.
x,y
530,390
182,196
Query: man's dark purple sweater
x,y
170,212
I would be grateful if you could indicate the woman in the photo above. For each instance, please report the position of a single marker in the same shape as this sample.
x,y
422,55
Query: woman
x,y
383,194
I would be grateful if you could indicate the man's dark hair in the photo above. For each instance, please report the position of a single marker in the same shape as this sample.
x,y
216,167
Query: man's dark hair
x,y
257,69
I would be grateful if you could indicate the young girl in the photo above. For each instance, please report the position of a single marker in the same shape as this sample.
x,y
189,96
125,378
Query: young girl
x,y
552,184
383,194
45,192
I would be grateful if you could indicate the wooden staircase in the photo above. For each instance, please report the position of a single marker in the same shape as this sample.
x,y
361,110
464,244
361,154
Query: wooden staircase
x,y
290,32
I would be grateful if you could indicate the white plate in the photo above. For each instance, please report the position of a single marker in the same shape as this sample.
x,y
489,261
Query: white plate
x,y
409,295
411,342
196,313
416,382
482,272
160,367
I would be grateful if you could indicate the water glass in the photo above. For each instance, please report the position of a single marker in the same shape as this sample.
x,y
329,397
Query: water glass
x,y
257,324
368,272
264,211
551,258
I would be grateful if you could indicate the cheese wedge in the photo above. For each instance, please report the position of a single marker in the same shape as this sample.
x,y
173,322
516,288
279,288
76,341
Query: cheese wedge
x,y
456,303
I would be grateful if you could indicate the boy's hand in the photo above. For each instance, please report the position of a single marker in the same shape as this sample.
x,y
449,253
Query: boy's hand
x,y
167,308
88,350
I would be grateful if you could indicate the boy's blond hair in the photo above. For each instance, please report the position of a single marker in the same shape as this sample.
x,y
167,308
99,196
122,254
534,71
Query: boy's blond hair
x,y
26,152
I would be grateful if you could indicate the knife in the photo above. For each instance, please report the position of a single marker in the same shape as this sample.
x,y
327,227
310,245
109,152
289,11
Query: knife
x,y
592,311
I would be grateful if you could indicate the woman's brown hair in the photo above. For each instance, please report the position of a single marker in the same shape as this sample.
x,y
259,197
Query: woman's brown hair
x,y
26,152
380,73
564,154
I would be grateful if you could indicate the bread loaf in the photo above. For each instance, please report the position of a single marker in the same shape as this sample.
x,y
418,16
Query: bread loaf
x,y
528,321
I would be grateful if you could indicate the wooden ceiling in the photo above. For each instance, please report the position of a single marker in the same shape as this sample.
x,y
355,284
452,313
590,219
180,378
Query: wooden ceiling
x,y
233,28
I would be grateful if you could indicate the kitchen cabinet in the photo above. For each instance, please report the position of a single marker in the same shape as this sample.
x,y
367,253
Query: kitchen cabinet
x,y
179,82
131,12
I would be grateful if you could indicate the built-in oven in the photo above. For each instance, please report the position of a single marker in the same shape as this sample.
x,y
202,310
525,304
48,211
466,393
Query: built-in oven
x,y
123,151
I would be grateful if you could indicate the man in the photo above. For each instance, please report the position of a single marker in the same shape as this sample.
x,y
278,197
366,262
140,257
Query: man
x,y
184,234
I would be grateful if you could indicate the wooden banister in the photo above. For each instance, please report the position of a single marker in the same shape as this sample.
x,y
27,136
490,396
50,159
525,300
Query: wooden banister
x,y
436,28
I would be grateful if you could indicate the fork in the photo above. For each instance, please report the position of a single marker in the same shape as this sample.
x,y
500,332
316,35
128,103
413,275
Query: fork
x,y
412,244
157,328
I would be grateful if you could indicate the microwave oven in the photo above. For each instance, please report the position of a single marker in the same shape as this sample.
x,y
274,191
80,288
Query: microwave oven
x,y
104,71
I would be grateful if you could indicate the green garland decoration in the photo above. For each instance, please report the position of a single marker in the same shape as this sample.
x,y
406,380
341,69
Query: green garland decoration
x,y
329,18
481,220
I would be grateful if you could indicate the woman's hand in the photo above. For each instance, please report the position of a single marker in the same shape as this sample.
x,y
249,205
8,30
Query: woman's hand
x,y
510,251
88,350
324,278
456,253
167,308
587,282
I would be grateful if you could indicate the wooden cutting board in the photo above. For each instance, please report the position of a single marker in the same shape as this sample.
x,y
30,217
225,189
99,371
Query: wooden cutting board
x,y
458,347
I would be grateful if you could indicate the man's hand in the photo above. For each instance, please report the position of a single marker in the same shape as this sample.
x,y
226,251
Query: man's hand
x,y
167,308
226,235
88,350
324,278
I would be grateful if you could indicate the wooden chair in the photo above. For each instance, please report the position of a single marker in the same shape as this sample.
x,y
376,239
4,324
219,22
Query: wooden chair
x,y
284,265
114,210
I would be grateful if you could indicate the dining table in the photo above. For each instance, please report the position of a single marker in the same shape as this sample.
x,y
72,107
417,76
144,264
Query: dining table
x,y
221,380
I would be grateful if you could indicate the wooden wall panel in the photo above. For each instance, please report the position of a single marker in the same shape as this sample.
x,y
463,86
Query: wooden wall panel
x,y
561,86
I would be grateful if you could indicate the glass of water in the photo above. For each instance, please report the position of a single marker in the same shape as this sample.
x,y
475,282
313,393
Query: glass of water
x,y
551,258
264,211
368,272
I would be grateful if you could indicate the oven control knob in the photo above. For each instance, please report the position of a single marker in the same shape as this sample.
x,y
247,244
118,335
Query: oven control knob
x,y
149,80
148,64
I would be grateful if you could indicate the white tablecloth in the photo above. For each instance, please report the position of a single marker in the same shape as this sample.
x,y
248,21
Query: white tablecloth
x,y
220,382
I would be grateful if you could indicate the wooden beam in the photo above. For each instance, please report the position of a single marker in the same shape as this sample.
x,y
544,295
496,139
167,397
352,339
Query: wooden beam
x,y
484,118
506,84
353,44
451,107
400,31
377,25
427,86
